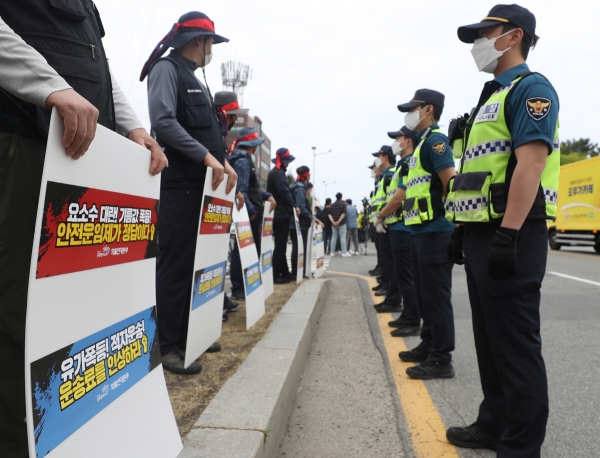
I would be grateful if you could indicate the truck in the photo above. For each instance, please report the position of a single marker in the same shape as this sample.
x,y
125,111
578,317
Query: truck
x,y
578,213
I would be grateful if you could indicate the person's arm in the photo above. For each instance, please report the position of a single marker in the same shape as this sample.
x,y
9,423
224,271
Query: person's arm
x,y
268,197
445,175
232,177
301,202
243,171
284,190
394,203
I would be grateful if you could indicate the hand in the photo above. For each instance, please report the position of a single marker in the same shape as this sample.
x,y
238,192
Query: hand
x,y
273,203
336,224
502,259
80,117
253,217
380,227
218,170
297,211
455,247
158,160
232,177
240,201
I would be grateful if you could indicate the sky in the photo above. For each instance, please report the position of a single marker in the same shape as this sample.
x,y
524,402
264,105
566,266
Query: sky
x,y
330,73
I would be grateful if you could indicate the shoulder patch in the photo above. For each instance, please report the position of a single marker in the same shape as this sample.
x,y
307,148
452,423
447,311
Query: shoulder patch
x,y
538,107
439,148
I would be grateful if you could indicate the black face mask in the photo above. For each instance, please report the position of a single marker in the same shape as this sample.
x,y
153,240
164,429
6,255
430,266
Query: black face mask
x,y
223,124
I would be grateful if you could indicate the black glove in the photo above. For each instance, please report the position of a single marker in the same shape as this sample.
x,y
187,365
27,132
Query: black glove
x,y
455,247
502,260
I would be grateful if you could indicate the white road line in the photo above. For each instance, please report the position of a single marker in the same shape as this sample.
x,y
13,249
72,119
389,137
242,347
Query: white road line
x,y
582,280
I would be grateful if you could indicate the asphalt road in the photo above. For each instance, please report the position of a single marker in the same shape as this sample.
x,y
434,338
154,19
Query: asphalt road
x,y
571,345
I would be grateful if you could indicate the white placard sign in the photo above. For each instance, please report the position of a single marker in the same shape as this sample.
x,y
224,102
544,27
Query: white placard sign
x,y
300,263
210,265
319,250
309,250
266,246
93,372
253,288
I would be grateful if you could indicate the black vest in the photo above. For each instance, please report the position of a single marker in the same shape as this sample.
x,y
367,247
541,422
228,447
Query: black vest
x,y
254,191
68,34
198,117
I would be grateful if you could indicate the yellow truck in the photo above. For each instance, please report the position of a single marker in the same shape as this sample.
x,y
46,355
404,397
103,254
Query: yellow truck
x,y
578,215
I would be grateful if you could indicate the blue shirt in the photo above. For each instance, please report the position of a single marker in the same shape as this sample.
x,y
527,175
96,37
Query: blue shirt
x,y
351,217
433,162
399,225
524,127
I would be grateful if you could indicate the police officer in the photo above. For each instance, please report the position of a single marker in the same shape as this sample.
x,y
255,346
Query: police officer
x,y
184,118
35,76
373,210
390,220
429,169
505,190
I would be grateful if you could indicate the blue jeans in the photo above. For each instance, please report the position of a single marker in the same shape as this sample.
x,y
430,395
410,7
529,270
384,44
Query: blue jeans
x,y
340,232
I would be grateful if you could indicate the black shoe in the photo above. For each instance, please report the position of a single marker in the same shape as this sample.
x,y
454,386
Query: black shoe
x,y
375,272
416,355
238,296
406,330
379,279
214,348
388,308
398,322
428,371
472,436
376,288
225,317
380,304
281,280
230,306
381,292
174,362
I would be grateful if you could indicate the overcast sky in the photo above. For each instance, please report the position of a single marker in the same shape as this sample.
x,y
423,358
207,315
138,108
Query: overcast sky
x,y
330,73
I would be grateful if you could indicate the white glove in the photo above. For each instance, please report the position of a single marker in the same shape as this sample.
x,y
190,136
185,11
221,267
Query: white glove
x,y
379,225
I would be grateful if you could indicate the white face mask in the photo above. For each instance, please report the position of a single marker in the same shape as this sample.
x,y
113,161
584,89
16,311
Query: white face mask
x,y
378,163
486,55
207,59
373,174
412,119
397,147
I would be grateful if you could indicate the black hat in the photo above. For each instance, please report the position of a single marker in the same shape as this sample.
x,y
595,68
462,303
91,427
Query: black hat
x,y
424,97
404,132
372,166
387,150
500,14
228,102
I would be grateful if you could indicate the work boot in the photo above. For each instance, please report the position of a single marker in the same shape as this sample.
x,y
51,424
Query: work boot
x,y
380,304
375,272
214,348
428,370
381,292
376,288
406,330
472,436
388,308
174,362
416,355
396,323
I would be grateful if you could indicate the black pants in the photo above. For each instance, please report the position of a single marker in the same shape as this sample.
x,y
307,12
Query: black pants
x,y
377,249
433,282
281,229
294,259
393,296
327,233
401,246
21,166
506,326
177,228
236,275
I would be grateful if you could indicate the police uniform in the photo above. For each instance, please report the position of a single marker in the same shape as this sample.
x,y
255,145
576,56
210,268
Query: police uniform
x,y
516,108
374,207
423,213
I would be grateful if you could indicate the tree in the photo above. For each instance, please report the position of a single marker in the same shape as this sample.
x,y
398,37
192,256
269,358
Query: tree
x,y
583,145
568,158
290,178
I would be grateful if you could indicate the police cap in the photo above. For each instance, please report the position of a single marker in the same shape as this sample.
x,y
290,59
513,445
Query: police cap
x,y
500,14
424,97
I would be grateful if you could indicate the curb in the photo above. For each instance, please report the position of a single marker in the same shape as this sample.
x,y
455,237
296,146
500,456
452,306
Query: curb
x,y
247,417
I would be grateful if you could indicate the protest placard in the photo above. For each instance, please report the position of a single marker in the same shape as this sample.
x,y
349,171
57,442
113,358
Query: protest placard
x,y
267,245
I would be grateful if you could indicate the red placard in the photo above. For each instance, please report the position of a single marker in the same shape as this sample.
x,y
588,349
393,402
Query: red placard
x,y
216,216
86,228
244,233
268,227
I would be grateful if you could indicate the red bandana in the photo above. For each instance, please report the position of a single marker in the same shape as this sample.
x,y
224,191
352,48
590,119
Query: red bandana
x,y
246,138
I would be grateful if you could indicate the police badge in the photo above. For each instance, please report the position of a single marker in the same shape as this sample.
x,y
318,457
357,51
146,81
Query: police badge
x,y
538,107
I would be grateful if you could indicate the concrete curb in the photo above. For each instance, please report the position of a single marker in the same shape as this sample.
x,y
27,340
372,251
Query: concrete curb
x,y
247,418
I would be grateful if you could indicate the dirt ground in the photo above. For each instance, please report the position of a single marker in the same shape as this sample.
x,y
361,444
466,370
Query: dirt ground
x,y
190,394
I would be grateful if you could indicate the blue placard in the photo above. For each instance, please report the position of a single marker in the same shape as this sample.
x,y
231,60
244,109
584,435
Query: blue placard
x,y
319,237
208,283
267,261
252,278
72,385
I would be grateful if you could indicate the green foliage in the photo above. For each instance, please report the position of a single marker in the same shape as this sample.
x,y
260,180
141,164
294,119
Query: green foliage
x,y
583,146
568,158
290,178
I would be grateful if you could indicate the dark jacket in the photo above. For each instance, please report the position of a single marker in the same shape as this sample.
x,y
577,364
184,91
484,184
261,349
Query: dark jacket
x,y
68,34
298,190
278,186
247,182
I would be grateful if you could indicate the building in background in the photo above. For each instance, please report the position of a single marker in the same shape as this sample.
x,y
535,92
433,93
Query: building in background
x,y
262,157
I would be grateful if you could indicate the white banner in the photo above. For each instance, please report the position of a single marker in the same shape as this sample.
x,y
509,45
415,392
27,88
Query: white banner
x,y
94,378
210,265
309,251
300,264
319,249
255,297
266,246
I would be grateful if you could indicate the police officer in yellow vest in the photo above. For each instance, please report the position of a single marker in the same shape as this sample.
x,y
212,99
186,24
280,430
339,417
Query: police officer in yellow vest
x,y
373,209
505,190
424,180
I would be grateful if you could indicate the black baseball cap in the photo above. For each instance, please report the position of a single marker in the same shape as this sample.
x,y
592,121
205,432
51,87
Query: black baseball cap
x,y
424,97
500,14
387,150
404,132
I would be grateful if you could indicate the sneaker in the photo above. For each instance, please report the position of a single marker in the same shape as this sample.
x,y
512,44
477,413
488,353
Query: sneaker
x,y
406,330
396,323
388,308
472,436
214,348
230,306
428,370
174,362
356,253
238,296
350,252
281,280
381,292
345,254
225,317
416,355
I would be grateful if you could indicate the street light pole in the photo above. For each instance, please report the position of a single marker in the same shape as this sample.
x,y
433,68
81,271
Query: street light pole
x,y
314,172
326,184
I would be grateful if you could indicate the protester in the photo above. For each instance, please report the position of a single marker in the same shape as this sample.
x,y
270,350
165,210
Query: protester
x,y
299,192
193,142
337,216
352,227
241,151
31,84
327,226
278,186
